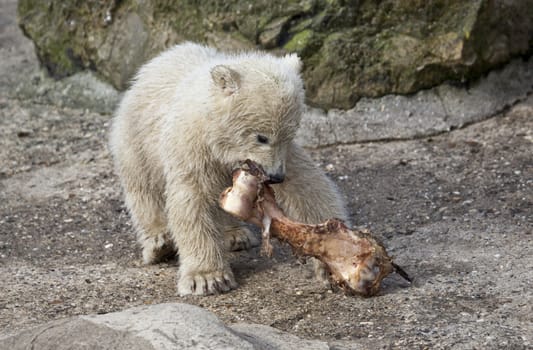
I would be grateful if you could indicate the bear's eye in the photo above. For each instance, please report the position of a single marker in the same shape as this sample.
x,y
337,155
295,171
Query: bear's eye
x,y
262,139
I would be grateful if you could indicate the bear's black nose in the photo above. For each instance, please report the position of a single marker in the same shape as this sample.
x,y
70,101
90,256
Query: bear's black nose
x,y
276,178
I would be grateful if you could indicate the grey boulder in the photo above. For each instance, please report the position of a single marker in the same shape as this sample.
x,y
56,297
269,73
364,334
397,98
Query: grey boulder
x,y
161,326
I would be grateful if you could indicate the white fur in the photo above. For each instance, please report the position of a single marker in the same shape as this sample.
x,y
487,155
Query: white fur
x,y
191,115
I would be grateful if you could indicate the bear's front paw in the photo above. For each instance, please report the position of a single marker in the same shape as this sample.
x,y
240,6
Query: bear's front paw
x,y
206,283
239,238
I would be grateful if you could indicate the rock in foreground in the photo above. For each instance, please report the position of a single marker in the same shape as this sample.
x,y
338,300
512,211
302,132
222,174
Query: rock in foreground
x,y
161,326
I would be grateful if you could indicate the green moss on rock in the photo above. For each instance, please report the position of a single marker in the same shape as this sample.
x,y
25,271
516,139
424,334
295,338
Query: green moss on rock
x,y
299,41
350,49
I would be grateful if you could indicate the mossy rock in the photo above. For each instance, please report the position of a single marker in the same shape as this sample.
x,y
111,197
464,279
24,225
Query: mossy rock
x,y
350,49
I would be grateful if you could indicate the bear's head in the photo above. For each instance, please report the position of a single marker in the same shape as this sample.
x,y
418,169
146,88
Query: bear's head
x,y
259,102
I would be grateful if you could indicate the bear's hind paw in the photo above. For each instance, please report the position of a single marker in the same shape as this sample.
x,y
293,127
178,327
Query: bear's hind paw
x,y
216,282
156,250
239,238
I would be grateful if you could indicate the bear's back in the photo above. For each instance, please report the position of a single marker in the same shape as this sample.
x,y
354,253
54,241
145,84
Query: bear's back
x,y
135,132
158,78
139,114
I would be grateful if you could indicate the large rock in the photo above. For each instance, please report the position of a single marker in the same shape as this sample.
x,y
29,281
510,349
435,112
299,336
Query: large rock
x,y
350,49
428,112
162,326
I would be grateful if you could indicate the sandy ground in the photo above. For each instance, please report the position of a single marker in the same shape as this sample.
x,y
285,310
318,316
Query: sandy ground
x,y
456,210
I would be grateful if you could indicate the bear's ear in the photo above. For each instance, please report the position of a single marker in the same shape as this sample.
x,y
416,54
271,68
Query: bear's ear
x,y
294,61
226,79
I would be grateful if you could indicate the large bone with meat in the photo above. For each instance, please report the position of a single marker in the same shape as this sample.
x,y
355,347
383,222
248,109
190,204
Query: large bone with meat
x,y
356,261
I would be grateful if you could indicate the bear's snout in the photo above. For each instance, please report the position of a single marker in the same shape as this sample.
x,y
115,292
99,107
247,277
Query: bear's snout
x,y
276,178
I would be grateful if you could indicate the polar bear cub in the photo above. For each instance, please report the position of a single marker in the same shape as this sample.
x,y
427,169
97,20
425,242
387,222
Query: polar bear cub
x,y
191,115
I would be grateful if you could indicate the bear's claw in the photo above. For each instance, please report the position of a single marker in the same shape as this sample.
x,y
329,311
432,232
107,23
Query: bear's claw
x,y
206,283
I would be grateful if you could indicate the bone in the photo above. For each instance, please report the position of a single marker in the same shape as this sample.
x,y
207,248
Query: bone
x,y
355,260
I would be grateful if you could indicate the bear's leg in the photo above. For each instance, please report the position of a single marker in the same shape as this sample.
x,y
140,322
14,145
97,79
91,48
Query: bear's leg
x,y
307,195
237,236
151,224
192,219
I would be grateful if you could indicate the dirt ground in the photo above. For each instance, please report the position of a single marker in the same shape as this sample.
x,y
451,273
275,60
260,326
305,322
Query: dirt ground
x,y
456,210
